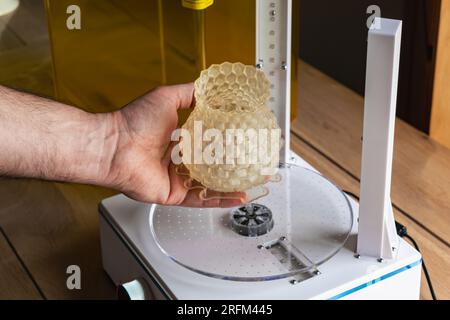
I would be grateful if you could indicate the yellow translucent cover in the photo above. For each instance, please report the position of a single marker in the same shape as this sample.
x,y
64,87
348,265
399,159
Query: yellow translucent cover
x,y
232,96
123,49
126,48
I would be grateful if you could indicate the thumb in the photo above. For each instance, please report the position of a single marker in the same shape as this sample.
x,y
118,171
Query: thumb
x,y
181,95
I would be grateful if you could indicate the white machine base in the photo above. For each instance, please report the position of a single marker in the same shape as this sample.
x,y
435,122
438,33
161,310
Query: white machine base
x,y
130,253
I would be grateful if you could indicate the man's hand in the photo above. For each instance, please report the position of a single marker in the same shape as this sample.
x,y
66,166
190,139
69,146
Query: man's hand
x,y
141,166
128,150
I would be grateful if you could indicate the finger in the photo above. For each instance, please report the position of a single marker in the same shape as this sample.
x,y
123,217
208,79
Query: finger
x,y
183,95
167,158
221,200
182,196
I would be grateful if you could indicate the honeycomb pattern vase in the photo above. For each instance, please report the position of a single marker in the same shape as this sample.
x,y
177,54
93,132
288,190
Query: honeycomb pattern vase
x,y
233,96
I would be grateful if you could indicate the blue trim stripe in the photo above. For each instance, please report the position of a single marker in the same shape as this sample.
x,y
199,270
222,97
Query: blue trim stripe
x,y
368,284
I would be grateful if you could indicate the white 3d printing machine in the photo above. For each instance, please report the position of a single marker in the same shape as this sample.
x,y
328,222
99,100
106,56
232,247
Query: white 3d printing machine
x,y
306,239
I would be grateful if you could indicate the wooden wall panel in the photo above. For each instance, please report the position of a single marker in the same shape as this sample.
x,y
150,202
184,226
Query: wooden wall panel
x,y
440,115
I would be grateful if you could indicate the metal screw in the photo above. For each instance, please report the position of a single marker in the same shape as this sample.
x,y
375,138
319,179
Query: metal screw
x,y
284,66
357,256
259,65
294,281
380,260
317,272
282,238
273,13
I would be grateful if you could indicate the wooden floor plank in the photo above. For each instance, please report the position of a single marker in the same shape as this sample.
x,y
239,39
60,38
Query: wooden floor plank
x,y
330,118
440,110
14,281
435,253
53,226
8,40
28,68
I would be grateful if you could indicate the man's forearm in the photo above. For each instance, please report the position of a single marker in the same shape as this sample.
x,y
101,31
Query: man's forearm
x,y
41,138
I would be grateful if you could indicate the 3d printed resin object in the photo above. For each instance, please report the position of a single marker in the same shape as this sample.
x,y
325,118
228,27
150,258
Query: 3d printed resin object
x,y
234,96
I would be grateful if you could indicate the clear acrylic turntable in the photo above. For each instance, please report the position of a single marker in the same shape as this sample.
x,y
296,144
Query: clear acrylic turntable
x,y
303,221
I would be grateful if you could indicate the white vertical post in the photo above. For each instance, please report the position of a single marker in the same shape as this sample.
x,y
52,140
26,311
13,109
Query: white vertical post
x,y
377,235
273,56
